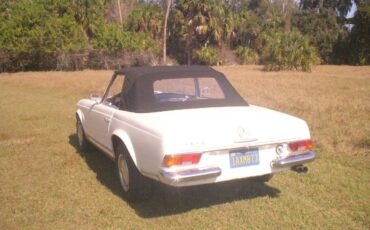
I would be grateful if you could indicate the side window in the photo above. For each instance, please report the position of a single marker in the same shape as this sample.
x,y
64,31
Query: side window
x,y
210,89
114,92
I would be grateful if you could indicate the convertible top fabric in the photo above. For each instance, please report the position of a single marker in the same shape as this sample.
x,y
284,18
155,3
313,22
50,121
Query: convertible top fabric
x,y
138,93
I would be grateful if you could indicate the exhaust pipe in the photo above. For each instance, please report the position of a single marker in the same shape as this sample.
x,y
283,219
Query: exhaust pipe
x,y
300,169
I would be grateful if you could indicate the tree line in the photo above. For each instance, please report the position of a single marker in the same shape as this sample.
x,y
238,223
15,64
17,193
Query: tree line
x,y
281,34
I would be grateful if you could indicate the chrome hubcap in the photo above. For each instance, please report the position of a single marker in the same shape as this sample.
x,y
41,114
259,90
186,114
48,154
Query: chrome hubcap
x,y
79,133
123,172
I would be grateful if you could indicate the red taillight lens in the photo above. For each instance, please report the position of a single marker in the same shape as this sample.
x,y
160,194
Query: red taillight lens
x,y
184,159
301,145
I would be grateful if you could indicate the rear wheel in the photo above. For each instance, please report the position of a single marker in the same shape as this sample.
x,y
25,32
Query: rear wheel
x,y
83,144
134,185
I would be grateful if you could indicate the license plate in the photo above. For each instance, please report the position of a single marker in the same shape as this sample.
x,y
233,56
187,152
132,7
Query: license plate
x,y
244,157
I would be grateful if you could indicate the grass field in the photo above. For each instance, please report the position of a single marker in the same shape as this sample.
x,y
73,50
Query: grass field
x,y
45,183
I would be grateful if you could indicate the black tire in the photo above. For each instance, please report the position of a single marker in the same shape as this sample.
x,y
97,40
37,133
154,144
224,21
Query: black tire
x,y
135,186
263,178
83,144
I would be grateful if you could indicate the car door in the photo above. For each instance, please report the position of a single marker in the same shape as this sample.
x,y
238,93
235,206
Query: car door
x,y
101,114
99,119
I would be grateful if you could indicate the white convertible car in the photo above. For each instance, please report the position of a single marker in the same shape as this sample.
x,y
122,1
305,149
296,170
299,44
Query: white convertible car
x,y
187,126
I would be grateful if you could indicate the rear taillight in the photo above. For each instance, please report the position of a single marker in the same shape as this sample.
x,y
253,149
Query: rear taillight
x,y
301,145
183,159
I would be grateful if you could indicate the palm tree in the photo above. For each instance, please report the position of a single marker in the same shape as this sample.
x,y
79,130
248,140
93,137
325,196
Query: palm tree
x,y
146,17
205,22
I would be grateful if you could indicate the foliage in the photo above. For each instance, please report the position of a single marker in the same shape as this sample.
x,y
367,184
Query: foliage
x,y
49,34
247,29
114,47
112,38
207,56
251,25
64,34
246,55
32,38
199,23
340,6
321,28
359,39
147,18
289,50
88,13
273,20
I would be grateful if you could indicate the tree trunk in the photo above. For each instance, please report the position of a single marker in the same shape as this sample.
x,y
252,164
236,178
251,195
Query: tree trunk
x,y
119,10
188,47
188,57
168,6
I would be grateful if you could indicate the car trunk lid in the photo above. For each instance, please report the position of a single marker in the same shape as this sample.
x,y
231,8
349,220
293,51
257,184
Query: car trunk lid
x,y
227,127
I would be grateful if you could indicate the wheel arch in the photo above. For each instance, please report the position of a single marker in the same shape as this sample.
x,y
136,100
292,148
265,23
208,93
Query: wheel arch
x,y
120,136
80,115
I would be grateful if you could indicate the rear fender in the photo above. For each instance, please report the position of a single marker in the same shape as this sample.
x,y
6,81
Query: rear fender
x,y
122,135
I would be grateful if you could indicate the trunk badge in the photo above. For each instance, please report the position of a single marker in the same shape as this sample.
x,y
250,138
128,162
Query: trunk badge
x,y
243,135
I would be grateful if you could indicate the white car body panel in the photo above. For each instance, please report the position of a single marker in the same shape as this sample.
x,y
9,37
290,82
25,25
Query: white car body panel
x,y
211,131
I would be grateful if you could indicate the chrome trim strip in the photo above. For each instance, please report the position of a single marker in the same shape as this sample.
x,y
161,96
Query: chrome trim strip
x,y
240,145
245,140
108,88
173,177
294,160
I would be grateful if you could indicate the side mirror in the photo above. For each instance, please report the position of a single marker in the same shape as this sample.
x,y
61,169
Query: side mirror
x,y
95,97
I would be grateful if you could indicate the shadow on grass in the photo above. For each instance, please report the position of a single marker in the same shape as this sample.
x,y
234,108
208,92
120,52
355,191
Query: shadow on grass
x,y
99,163
168,200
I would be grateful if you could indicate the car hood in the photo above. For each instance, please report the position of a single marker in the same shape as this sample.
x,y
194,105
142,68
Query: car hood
x,y
215,128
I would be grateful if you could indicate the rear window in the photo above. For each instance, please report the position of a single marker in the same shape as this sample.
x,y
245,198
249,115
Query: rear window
x,y
187,89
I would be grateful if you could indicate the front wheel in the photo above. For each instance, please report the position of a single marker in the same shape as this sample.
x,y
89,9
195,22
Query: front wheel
x,y
134,185
83,144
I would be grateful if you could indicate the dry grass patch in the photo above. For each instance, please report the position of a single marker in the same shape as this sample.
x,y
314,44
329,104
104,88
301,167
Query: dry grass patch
x,y
46,183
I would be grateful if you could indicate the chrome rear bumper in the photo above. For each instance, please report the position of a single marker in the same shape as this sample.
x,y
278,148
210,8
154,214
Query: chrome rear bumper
x,y
294,160
171,177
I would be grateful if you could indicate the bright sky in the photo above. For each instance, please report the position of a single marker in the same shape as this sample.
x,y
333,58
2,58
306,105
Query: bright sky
x,y
352,12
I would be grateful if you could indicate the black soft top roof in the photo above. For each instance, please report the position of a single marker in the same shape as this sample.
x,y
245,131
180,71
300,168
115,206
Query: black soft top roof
x,y
137,72
138,93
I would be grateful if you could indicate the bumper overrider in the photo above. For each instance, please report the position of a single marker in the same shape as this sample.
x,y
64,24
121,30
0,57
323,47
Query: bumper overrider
x,y
194,174
294,160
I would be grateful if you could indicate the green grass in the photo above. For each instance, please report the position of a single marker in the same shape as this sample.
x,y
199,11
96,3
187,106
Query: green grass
x,y
45,183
